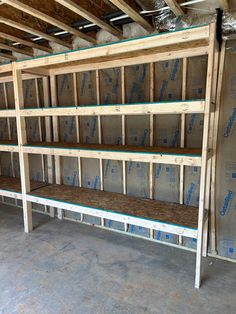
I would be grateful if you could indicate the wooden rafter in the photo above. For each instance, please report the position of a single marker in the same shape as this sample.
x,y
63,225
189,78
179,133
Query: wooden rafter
x,y
133,14
90,17
24,42
11,48
7,56
48,19
34,31
224,4
175,7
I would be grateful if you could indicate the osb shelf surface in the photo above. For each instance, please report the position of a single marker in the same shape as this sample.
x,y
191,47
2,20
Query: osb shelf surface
x,y
14,184
6,142
120,148
171,213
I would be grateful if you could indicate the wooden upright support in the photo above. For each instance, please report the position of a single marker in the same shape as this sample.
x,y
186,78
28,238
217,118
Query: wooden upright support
x,y
22,139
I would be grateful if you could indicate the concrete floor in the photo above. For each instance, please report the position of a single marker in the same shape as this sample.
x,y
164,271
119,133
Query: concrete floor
x,y
65,267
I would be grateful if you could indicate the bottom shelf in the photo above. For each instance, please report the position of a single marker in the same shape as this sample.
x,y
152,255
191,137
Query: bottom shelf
x,y
162,216
11,187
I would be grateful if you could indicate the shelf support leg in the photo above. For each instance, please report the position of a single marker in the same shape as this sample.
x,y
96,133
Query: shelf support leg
x,y
22,139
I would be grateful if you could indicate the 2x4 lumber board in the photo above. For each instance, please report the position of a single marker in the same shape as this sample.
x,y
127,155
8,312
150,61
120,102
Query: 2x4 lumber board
x,y
38,72
48,19
7,113
133,14
175,7
25,76
202,193
25,42
168,217
71,5
9,146
34,31
142,59
188,157
11,48
177,107
122,48
22,139
5,68
214,147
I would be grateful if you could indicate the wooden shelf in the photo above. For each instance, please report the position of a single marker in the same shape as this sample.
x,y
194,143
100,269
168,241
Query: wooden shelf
x,y
177,156
169,217
166,42
9,146
175,107
11,187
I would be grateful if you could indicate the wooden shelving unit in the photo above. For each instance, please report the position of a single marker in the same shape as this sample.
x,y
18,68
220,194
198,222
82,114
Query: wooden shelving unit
x,y
177,219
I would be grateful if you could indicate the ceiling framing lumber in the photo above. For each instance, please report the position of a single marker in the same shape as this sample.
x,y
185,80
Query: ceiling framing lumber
x,y
133,14
175,7
7,56
11,48
34,31
48,19
24,42
224,4
90,17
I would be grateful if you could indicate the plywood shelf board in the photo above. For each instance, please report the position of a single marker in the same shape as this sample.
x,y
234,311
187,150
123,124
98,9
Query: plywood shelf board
x,y
14,184
170,213
193,152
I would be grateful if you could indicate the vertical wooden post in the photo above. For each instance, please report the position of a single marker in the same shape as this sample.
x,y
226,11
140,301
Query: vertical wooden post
x,y
182,136
100,136
22,139
123,127
151,139
76,99
214,148
9,132
205,154
55,122
123,135
48,128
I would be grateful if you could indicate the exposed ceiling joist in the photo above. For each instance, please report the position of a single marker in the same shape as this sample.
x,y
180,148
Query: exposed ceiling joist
x,y
48,19
224,4
11,48
34,31
90,17
175,7
133,14
7,56
24,42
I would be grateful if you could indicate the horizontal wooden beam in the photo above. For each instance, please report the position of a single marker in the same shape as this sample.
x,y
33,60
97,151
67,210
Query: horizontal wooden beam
x,y
133,14
124,47
186,160
24,42
12,48
8,113
71,5
8,148
143,59
38,72
48,19
176,107
34,31
175,7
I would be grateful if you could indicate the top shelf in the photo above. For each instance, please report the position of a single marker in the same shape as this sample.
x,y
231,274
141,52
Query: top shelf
x,y
189,42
